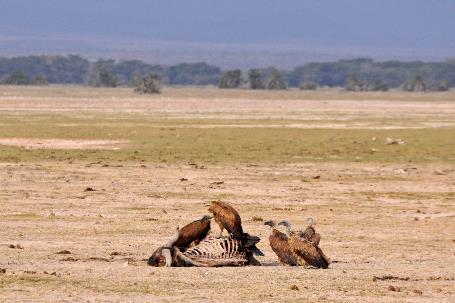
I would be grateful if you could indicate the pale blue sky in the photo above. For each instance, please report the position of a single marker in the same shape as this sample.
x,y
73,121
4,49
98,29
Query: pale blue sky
x,y
231,33
419,23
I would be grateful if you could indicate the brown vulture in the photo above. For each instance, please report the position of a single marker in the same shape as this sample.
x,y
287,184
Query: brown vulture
x,y
228,218
279,243
191,233
310,233
306,251
195,231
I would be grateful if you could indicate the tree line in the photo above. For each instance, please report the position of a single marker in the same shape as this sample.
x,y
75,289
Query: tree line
x,y
360,74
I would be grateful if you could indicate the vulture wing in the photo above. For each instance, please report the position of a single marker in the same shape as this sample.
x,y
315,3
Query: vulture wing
x,y
310,235
193,232
308,253
279,243
227,217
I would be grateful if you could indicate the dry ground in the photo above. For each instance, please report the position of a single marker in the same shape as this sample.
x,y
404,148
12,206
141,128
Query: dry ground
x,y
387,221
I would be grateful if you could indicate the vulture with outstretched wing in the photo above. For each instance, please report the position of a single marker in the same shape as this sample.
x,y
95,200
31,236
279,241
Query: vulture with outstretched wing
x,y
279,243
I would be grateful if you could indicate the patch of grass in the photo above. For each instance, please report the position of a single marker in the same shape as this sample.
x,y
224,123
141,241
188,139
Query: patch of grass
x,y
30,280
407,195
151,141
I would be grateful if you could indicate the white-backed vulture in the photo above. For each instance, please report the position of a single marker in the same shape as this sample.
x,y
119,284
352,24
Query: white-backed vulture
x,y
279,243
306,251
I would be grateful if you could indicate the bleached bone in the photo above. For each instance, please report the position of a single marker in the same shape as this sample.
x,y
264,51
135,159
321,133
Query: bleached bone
x,y
212,253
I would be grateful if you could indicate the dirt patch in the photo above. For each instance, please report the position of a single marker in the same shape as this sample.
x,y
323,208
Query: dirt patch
x,y
62,143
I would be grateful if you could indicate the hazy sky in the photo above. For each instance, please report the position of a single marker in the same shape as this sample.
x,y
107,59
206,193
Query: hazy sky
x,y
423,26
418,23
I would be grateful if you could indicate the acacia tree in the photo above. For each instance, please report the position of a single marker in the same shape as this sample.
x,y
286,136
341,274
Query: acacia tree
x,y
102,77
17,78
442,86
255,79
353,84
231,79
39,80
276,81
150,84
416,84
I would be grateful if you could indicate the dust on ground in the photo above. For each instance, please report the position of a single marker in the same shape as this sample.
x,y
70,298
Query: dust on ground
x,y
31,143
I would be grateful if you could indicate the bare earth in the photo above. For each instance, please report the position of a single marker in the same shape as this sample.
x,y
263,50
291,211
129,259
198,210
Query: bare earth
x,y
389,228
61,143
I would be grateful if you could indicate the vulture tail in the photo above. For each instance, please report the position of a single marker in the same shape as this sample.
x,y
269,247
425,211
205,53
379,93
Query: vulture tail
x,y
250,242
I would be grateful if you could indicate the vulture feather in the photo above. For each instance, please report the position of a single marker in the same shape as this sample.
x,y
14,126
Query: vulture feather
x,y
227,218
307,253
195,231
310,234
305,245
279,243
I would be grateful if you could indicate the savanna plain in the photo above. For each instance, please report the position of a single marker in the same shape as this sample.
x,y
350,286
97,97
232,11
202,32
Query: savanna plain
x,y
93,180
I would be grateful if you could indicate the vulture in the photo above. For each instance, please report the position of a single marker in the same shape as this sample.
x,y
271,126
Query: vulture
x,y
310,233
192,233
228,218
279,243
305,249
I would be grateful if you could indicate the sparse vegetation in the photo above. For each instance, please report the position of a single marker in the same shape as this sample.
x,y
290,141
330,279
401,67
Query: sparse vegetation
x,y
231,79
101,76
277,161
150,84
16,78
255,79
355,85
309,86
415,84
276,82
377,76
442,86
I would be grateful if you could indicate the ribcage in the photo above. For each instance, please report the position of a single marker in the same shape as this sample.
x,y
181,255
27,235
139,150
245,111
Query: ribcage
x,y
215,252
215,248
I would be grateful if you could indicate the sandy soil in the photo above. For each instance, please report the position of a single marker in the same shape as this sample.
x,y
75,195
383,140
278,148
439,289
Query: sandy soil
x,y
81,232
375,221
